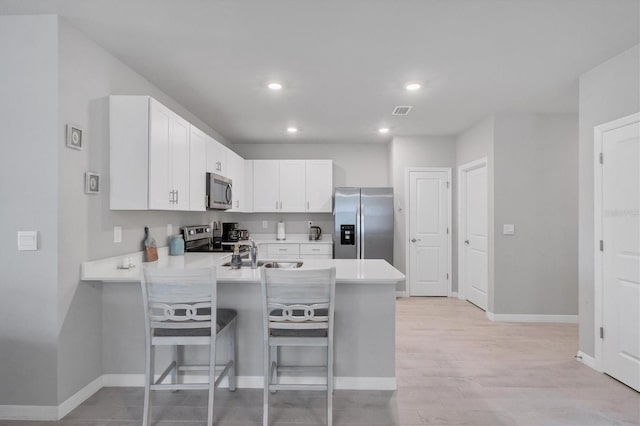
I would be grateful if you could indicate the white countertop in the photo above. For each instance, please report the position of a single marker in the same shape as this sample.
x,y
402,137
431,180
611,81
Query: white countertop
x,y
347,270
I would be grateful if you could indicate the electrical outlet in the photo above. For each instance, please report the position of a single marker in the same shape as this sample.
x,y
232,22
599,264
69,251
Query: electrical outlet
x,y
169,229
117,234
309,224
264,224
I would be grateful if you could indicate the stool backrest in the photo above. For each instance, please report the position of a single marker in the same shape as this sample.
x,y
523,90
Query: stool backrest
x,y
179,298
298,298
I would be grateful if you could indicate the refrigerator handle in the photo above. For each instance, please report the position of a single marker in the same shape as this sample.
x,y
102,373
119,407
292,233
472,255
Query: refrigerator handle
x,y
362,232
358,233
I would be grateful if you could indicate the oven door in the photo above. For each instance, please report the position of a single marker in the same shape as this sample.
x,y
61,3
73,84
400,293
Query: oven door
x,y
219,192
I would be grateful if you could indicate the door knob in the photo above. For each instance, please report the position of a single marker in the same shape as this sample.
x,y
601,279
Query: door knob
x,y
413,240
466,241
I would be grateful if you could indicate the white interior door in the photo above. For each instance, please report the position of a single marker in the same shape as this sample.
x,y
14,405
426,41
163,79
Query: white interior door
x,y
621,254
429,218
475,235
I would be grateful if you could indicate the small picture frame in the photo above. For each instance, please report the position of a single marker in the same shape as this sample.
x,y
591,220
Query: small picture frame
x,y
74,137
91,183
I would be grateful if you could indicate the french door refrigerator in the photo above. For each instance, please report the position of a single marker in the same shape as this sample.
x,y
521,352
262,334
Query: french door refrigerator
x,y
363,223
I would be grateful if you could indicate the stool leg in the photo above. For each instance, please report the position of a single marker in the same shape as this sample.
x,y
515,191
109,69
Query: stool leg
x,y
148,370
275,350
265,396
212,375
232,356
330,385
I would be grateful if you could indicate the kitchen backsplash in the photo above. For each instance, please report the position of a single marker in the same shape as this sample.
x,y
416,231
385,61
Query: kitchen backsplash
x,y
295,223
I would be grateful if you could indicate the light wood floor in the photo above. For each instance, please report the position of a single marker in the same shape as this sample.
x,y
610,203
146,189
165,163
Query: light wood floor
x,y
454,367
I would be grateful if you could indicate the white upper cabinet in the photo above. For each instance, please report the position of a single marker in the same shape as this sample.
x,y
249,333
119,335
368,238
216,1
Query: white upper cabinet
x,y
149,155
319,185
235,172
217,157
197,170
292,185
248,186
266,185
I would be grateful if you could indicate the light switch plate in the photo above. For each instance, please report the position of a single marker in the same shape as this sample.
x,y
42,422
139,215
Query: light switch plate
x,y
117,234
508,229
264,224
169,229
27,240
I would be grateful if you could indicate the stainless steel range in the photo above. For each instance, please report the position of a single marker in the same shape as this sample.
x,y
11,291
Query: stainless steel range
x,y
201,238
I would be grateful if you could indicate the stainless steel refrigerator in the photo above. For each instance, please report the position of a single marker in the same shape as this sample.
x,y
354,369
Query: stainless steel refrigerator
x,y
363,223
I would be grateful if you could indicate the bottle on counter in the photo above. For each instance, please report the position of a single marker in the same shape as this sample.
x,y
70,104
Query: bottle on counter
x,y
150,248
236,260
176,245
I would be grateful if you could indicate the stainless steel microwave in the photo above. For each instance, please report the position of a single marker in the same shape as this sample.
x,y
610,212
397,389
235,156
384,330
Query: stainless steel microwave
x,y
219,192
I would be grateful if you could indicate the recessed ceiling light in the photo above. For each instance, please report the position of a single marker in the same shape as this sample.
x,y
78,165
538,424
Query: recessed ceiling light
x,y
383,130
292,129
274,86
412,86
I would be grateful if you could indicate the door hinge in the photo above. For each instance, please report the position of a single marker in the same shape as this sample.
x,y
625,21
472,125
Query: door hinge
x,y
447,231
601,332
601,245
447,275
601,158
447,184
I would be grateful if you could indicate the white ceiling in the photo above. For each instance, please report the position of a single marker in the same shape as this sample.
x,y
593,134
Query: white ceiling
x,y
344,63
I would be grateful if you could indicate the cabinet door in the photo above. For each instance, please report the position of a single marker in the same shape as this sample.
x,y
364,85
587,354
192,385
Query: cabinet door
x,y
266,175
292,186
248,186
161,195
197,170
180,162
236,173
319,185
216,156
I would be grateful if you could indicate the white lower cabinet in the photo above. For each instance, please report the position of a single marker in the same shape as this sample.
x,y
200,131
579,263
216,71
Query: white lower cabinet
x,y
275,251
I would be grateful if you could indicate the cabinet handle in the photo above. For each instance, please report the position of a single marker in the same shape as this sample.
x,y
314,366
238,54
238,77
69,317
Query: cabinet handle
x,y
307,205
276,205
177,192
172,196
280,205
315,249
282,249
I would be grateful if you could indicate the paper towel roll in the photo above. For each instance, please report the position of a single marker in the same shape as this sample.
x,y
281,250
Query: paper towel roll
x,y
280,235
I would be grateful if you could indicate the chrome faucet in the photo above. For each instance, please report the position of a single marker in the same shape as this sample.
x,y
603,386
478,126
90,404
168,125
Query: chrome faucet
x,y
253,251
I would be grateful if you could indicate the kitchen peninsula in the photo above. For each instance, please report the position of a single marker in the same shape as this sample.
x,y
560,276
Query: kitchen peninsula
x,y
364,318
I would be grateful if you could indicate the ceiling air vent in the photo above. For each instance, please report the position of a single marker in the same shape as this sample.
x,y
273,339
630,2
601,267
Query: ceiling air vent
x,y
401,110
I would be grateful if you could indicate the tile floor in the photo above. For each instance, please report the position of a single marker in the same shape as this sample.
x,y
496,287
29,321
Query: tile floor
x,y
454,367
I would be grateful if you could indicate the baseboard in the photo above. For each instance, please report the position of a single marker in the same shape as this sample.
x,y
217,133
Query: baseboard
x,y
29,412
79,397
401,294
256,382
587,360
570,319
54,413
454,294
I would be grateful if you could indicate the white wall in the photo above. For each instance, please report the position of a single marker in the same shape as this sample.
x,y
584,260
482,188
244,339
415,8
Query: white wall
x,y
608,92
418,151
474,144
29,192
536,188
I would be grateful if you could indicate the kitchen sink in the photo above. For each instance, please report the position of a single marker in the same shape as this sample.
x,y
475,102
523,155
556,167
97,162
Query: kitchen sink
x,y
269,264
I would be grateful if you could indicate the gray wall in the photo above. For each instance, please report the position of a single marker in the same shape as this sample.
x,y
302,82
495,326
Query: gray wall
x,y
88,74
418,151
536,188
608,92
29,194
474,144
